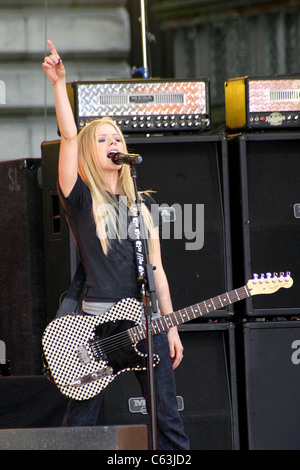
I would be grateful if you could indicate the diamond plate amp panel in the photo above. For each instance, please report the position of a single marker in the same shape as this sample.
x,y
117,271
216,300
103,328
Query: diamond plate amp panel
x,y
143,105
262,103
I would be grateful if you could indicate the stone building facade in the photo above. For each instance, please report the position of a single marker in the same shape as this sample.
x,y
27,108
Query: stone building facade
x,y
93,38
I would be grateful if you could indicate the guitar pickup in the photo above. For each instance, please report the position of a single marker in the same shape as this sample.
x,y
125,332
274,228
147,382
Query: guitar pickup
x,y
97,352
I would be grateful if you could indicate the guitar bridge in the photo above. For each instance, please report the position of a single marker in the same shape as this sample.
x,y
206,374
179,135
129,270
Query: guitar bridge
x,y
87,379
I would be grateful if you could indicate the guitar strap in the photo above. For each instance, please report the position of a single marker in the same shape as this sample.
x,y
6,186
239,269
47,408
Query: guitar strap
x,y
71,305
140,261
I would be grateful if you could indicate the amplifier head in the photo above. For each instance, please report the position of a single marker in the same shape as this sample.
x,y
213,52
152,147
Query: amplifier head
x,y
143,105
262,103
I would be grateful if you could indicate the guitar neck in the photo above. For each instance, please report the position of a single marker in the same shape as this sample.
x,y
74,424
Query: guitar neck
x,y
190,313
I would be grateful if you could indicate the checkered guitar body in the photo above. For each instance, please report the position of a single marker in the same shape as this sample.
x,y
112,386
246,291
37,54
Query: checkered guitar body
x,y
84,353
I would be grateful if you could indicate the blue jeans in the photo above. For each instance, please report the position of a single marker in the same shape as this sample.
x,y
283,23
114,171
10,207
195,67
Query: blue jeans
x,y
170,432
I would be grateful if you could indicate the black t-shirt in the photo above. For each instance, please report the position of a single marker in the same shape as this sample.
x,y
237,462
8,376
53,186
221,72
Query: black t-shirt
x,y
111,277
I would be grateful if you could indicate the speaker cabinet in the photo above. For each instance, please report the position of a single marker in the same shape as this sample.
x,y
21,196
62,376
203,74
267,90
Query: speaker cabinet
x,y
185,172
189,175
272,364
22,267
266,208
30,401
206,390
60,251
76,438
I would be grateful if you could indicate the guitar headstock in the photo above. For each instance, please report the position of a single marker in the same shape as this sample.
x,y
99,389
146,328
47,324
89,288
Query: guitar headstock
x,y
268,284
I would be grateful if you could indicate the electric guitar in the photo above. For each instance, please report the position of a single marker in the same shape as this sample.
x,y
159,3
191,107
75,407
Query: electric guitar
x,y
84,353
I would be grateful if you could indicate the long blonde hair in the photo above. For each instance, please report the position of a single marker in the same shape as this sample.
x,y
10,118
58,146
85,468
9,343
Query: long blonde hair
x,y
103,203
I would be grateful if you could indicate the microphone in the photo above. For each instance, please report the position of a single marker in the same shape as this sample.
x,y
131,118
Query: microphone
x,y
127,158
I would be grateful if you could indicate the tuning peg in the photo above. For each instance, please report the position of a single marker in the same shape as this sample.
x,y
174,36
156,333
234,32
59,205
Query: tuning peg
x,y
255,278
268,275
275,276
287,276
281,276
262,277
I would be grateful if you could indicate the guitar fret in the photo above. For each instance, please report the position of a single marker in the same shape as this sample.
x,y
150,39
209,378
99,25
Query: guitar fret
x,y
182,315
156,327
217,303
203,308
177,318
189,313
136,334
158,324
195,311
166,322
210,306
243,292
142,332
132,334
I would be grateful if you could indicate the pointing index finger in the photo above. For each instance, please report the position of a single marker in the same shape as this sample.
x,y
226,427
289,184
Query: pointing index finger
x,y
51,47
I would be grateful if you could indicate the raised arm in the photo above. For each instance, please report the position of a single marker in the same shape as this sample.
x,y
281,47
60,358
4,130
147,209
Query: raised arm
x,y
68,158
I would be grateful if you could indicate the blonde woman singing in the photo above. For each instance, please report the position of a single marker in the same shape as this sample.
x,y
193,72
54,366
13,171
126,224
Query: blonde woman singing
x,y
91,188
